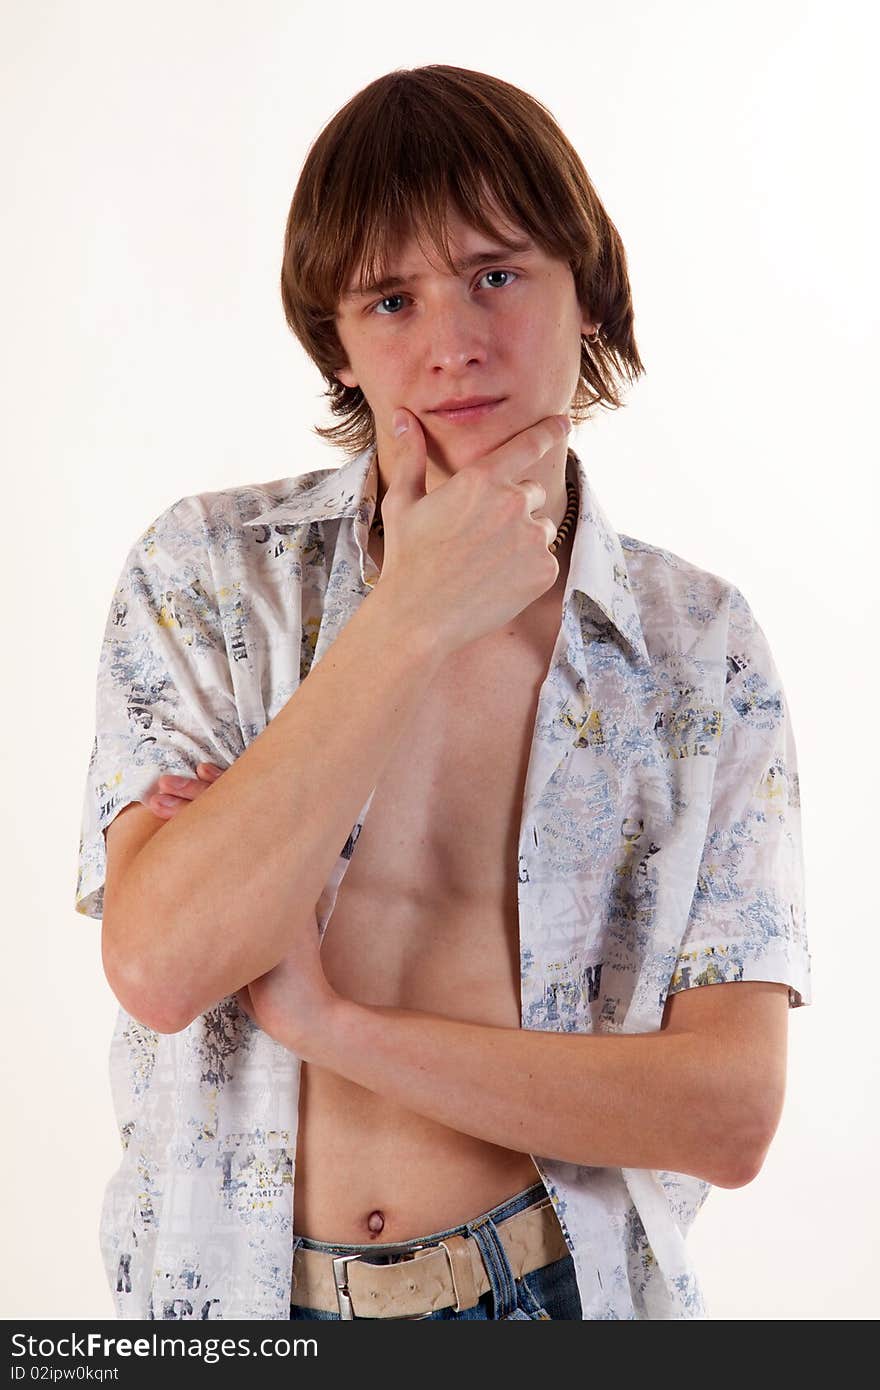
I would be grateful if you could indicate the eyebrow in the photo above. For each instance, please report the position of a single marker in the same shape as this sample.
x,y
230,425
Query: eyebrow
x,y
393,282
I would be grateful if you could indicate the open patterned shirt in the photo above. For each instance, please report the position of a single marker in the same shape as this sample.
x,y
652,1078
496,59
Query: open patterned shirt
x,y
659,850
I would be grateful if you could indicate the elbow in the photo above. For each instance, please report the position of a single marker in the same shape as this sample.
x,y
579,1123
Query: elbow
x,y
733,1176
744,1129
744,1161
157,1009
161,1015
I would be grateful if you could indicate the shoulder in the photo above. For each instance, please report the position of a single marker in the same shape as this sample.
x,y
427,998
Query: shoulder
x,y
694,617
673,576
213,524
677,597
242,502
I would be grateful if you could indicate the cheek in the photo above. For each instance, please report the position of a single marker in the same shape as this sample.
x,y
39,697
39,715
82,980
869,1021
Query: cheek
x,y
382,370
545,330
391,372
549,335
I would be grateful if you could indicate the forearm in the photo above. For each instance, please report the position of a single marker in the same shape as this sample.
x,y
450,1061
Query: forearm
x,y
639,1100
213,898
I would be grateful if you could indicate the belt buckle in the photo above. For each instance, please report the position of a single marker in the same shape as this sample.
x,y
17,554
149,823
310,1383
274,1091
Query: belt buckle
x,y
343,1293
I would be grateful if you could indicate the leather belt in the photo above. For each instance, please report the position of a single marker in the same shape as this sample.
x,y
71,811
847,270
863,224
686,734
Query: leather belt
x,y
445,1273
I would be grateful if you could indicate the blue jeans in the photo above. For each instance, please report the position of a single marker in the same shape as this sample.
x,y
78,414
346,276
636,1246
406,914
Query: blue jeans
x,y
550,1292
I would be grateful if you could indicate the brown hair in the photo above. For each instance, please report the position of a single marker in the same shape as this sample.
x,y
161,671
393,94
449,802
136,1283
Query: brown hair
x,y
391,161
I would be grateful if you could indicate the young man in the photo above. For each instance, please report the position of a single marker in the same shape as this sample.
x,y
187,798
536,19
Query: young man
x,y
558,761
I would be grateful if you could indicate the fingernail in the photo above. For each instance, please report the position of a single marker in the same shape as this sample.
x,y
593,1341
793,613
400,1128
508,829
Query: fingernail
x,y
168,801
399,422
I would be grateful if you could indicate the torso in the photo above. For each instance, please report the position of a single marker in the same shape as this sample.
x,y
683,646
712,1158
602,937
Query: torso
x,y
426,918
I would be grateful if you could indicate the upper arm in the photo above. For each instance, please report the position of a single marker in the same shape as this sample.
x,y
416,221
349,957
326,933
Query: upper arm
x,y
742,961
743,1027
747,918
165,697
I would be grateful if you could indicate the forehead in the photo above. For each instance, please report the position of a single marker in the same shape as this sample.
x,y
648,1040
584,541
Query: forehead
x,y
404,259
462,232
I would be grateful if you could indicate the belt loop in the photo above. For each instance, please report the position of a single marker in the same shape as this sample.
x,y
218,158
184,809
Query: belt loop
x,y
501,1278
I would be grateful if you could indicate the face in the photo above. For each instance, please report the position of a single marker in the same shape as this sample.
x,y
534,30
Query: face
x,y
508,326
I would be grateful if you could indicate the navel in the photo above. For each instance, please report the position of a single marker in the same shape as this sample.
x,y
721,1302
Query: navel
x,y
375,1221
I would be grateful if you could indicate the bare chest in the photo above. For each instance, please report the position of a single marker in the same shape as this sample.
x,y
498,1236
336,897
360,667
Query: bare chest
x,y
427,914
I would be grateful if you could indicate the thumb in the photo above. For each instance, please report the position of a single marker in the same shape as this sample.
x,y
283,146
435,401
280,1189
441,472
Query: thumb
x,y
409,458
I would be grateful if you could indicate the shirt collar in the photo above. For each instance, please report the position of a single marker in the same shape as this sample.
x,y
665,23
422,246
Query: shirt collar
x,y
597,571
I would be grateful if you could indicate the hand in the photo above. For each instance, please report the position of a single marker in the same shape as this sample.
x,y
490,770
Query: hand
x,y
290,1002
464,559
294,1002
190,789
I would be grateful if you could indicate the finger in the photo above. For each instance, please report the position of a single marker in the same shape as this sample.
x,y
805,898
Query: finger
x,y
535,493
514,460
165,806
209,772
410,459
188,787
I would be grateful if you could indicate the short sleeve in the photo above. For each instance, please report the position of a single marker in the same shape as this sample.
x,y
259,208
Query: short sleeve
x,y
164,694
747,918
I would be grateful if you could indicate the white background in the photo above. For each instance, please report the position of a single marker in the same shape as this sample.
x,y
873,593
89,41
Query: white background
x,y
150,154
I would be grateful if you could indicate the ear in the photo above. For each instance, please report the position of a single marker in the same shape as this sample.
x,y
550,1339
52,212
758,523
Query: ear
x,y
346,377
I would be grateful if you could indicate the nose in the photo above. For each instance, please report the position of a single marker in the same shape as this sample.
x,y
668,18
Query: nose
x,y
455,334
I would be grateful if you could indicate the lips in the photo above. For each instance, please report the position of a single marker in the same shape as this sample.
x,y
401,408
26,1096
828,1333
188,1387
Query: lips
x,y
471,412
465,402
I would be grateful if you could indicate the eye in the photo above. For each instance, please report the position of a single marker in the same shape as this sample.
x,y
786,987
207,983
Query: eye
x,y
389,299
499,272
